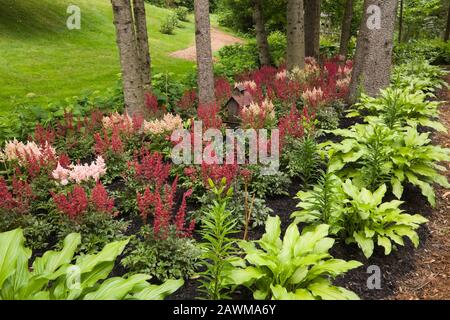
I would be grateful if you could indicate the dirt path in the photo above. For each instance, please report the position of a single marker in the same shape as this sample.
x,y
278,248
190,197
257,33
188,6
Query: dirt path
x,y
431,278
219,39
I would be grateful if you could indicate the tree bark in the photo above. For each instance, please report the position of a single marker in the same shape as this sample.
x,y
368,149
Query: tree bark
x,y
143,50
261,34
346,28
447,30
373,59
133,90
204,52
400,23
295,52
312,28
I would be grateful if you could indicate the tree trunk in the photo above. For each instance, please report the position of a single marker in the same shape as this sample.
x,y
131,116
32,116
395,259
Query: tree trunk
x,y
204,52
346,28
400,23
373,59
447,30
295,52
132,80
312,28
143,50
261,34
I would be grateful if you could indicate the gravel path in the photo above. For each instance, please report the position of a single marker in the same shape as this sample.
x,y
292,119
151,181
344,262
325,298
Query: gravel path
x,y
219,39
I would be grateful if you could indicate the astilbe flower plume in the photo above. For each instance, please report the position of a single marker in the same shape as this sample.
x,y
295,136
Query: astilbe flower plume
x,y
188,100
19,199
216,172
150,167
100,199
222,90
151,103
80,172
74,204
209,114
160,202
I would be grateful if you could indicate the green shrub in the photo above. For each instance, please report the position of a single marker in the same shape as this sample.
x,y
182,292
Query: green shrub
x,y
173,257
436,51
59,275
169,24
182,13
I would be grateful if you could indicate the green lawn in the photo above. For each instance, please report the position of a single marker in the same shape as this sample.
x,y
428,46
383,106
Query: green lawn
x,y
42,59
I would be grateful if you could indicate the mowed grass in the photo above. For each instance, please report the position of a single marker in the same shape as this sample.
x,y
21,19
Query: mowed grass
x,y
41,60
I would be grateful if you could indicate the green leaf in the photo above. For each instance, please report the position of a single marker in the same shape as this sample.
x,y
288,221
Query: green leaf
x,y
366,244
154,292
386,243
11,248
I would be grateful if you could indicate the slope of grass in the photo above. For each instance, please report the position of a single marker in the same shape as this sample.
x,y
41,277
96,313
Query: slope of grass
x,y
41,60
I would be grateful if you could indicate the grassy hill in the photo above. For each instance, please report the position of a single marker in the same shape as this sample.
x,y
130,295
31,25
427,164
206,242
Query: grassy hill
x,y
39,55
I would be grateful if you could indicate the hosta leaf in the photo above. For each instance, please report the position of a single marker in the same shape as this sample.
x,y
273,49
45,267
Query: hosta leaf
x,y
326,291
366,244
397,187
153,292
116,288
309,239
281,293
243,276
385,243
271,239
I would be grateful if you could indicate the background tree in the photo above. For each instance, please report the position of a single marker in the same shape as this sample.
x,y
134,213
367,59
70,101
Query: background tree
x,y
204,52
143,50
312,28
133,89
346,28
373,59
447,29
261,34
400,23
295,51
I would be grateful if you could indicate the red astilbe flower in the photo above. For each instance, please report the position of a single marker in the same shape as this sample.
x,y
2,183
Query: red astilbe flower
x,y
19,200
180,218
160,202
104,144
100,199
43,136
151,103
291,125
116,142
73,204
188,100
222,90
217,172
210,116
150,167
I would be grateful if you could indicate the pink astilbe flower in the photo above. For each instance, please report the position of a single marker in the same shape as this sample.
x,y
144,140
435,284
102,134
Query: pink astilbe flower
x,y
258,115
151,103
314,97
15,150
73,204
100,199
166,125
124,122
80,173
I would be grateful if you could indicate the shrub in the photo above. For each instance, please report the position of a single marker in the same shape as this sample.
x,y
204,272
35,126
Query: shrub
x,y
54,277
169,24
173,257
182,13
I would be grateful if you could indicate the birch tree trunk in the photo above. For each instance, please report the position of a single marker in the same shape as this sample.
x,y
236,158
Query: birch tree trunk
x,y
204,52
312,28
143,50
261,34
295,52
373,59
346,28
132,80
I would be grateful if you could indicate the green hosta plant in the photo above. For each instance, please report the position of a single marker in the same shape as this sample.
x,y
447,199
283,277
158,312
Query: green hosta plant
x,y
297,267
372,154
415,160
58,275
322,204
362,155
367,220
396,107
